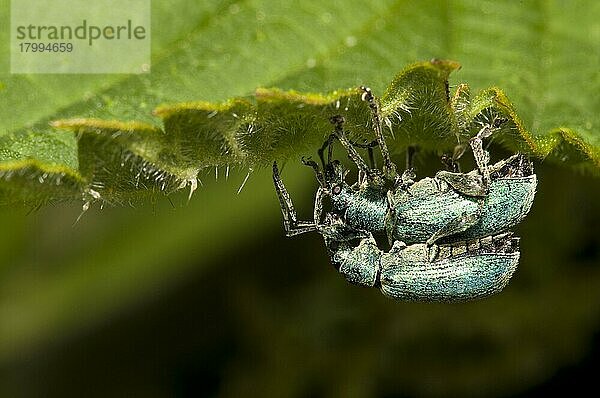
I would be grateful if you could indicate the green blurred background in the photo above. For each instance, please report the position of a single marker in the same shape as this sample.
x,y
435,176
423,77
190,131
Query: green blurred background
x,y
208,298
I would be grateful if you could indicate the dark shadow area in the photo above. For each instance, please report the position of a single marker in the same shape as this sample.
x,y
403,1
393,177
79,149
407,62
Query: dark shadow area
x,y
271,317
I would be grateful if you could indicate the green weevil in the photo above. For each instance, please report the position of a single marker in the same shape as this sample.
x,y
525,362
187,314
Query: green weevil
x,y
463,270
454,222
457,269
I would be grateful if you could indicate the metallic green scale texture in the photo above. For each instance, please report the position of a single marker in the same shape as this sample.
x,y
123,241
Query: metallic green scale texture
x,y
432,205
426,207
449,235
508,202
406,273
364,209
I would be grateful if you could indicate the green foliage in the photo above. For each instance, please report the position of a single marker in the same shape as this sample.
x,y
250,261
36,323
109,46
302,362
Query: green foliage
x,y
117,159
123,149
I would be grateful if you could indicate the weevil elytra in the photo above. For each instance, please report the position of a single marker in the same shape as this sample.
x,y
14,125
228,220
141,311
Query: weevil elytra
x,y
455,222
463,270
435,209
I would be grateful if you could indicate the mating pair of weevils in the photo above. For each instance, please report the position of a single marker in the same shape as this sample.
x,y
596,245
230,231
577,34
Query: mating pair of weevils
x,y
449,235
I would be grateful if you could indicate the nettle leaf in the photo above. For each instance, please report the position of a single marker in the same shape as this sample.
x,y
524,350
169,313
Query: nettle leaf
x,y
119,161
218,50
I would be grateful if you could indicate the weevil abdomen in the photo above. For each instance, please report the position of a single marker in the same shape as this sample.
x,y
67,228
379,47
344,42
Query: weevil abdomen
x,y
508,202
427,207
463,271
431,205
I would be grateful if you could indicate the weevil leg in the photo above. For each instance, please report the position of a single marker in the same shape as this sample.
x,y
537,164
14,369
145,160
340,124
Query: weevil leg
x,y
411,150
482,157
318,210
369,147
459,224
390,217
338,122
452,161
459,151
404,181
469,184
329,146
371,158
290,221
389,168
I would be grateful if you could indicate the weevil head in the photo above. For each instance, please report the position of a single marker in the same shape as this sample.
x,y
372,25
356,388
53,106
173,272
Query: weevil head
x,y
332,180
342,196
336,188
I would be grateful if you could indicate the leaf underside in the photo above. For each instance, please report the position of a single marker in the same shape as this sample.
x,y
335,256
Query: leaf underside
x,y
119,161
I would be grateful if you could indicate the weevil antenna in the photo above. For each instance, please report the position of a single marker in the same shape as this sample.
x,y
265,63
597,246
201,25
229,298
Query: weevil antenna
x,y
318,172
